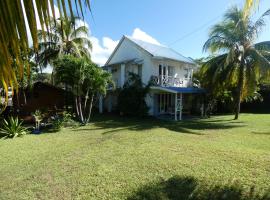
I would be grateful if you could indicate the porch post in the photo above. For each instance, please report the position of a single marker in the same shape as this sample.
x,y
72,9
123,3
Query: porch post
x,y
180,106
175,107
100,104
161,77
122,75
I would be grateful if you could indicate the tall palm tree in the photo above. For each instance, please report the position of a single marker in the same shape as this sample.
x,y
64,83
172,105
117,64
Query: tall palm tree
x,y
237,62
13,32
68,36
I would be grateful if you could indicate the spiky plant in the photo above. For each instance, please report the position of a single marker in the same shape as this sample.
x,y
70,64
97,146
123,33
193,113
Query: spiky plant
x,y
237,62
12,128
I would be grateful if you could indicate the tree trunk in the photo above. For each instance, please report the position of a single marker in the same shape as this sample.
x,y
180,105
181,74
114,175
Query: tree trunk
x,y
239,90
24,98
66,97
77,106
80,110
90,108
86,99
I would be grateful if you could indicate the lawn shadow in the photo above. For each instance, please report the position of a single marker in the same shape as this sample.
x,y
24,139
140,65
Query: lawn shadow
x,y
261,133
188,188
193,126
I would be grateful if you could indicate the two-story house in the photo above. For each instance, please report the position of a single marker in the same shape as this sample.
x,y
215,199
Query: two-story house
x,y
170,71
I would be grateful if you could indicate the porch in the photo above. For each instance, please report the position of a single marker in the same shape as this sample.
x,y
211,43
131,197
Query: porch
x,y
176,102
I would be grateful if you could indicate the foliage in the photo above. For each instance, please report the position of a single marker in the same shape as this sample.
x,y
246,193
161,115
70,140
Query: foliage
x,y
131,98
57,123
14,40
68,36
85,80
237,64
38,115
12,128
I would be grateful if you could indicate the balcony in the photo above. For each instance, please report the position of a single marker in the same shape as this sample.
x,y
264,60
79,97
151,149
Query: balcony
x,y
170,81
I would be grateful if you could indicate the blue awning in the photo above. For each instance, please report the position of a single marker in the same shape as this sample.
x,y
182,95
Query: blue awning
x,y
187,90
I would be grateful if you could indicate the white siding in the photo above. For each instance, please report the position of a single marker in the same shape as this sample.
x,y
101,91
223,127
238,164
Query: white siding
x,y
149,67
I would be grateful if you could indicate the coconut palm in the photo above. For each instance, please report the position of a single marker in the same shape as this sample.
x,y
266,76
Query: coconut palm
x,y
68,36
249,4
237,62
13,32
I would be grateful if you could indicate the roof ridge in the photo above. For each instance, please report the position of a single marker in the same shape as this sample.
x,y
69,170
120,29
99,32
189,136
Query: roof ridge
x,y
158,48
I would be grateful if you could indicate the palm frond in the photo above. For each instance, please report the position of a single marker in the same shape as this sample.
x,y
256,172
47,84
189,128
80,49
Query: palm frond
x,y
13,32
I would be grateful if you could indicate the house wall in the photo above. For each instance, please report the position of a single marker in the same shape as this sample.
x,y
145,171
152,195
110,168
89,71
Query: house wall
x,y
149,67
128,51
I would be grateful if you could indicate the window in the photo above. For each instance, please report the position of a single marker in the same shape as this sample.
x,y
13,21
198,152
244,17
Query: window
x,y
170,71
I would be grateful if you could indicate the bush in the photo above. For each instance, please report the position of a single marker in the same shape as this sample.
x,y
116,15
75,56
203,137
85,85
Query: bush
x,y
12,128
131,100
57,123
62,120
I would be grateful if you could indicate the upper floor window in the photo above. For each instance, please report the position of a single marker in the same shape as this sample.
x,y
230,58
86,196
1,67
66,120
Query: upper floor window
x,y
166,70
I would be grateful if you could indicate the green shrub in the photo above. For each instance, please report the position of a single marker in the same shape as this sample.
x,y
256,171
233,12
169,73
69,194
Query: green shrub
x,y
68,120
57,123
131,99
12,128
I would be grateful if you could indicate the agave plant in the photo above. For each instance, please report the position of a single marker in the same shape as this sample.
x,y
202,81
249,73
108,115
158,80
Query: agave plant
x,y
12,128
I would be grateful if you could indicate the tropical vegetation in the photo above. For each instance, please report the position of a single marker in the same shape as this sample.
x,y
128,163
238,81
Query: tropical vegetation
x,y
12,128
14,39
67,36
85,80
131,98
238,64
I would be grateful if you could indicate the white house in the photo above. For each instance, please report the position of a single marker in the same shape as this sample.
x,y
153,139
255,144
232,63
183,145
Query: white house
x,y
171,72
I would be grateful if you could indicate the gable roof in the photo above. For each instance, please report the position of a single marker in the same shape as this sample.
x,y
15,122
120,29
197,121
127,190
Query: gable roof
x,y
157,51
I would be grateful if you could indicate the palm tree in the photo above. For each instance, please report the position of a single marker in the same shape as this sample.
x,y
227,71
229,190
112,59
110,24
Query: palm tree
x,y
86,81
237,62
249,4
68,36
13,31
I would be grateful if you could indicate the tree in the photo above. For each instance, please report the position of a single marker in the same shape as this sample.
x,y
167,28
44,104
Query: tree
x,y
67,36
131,99
86,81
237,62
13,32
249,4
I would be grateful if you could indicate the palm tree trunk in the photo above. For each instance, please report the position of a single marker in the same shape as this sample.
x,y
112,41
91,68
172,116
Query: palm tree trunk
x,y
24,97
80,110
239,90
90,108
86,99
77,106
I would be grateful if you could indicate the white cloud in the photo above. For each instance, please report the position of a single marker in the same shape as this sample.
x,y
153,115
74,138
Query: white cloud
x,y
102,50
141,35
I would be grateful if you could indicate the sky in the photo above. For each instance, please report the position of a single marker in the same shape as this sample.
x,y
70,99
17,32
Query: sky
x,y
181,25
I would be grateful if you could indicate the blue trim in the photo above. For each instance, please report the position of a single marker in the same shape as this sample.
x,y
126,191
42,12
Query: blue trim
x,y
185,90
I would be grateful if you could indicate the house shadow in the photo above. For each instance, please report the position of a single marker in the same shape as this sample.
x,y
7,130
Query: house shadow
x,y
188,188
194,126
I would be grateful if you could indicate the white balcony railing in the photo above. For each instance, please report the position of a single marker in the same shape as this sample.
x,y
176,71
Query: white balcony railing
x,y
170,81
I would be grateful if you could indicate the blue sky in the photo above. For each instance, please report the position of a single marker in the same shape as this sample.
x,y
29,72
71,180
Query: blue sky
x,y
182,25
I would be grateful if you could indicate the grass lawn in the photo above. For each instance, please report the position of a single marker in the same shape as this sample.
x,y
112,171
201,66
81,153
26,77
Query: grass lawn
x,y
119,158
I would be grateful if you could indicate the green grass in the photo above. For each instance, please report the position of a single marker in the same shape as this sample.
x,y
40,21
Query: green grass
x,y
120,158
